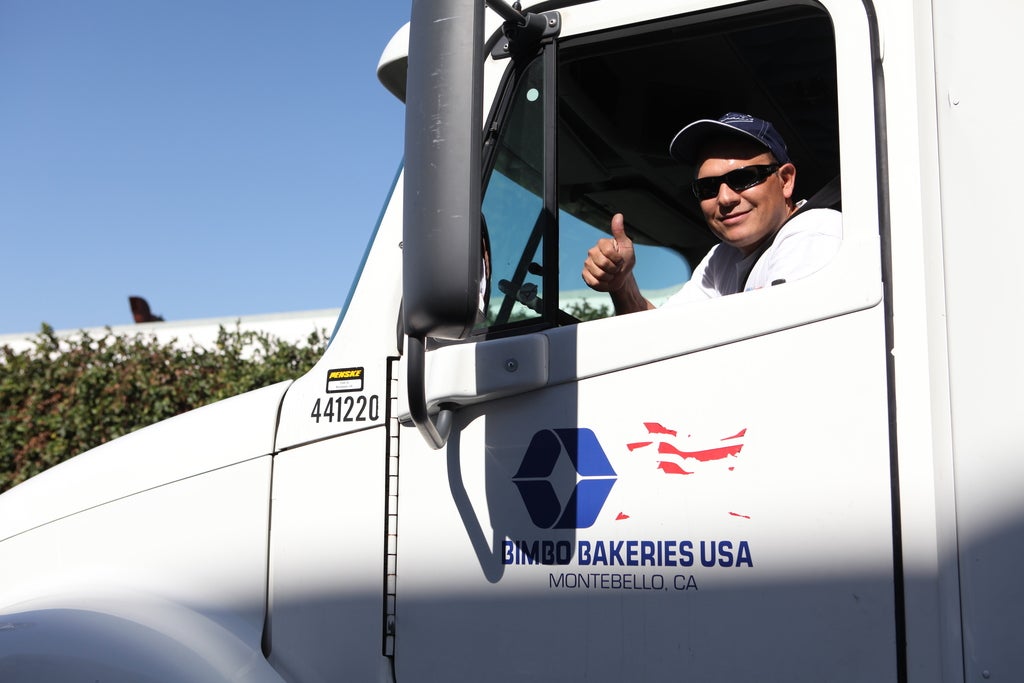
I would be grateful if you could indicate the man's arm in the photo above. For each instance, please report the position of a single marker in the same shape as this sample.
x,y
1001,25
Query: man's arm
x,y
609,268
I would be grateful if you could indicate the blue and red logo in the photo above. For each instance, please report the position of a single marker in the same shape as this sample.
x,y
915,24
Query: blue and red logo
x,y
543,489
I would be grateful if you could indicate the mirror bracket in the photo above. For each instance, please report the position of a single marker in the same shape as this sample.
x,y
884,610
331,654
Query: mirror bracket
x,y
435,431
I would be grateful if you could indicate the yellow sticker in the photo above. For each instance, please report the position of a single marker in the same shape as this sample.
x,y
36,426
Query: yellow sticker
x,y
344,379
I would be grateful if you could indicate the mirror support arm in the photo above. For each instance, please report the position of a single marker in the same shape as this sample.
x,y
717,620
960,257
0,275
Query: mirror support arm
x,y
434,432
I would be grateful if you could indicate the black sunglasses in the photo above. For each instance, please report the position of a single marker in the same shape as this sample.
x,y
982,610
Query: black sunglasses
x,y
738,180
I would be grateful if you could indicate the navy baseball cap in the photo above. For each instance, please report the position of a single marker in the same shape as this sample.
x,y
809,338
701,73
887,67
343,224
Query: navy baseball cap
x,y
687,142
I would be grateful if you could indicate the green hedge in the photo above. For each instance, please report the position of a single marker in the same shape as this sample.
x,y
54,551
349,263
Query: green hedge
x,y
65,396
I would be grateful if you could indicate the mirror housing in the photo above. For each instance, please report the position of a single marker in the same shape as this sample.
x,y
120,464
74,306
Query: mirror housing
x,y
441,260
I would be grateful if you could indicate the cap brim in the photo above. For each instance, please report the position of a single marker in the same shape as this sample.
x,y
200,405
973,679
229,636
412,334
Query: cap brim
x,y
687,143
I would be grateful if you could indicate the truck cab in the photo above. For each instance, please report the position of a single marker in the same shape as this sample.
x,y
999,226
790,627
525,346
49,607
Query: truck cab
x,y
489,476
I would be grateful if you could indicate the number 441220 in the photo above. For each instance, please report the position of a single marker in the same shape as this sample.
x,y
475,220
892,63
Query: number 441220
x,y
346,409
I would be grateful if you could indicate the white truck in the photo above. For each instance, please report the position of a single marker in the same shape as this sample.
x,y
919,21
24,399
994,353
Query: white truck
x,y
818,481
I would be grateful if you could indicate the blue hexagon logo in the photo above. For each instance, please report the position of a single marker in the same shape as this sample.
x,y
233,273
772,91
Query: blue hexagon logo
x,y
543,493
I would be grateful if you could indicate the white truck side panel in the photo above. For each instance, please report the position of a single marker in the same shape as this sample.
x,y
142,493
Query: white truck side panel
x,y
326,560
978,101
166,585
808,494
920,393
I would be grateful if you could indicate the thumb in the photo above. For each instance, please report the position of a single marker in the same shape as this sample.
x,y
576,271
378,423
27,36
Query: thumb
x,y
619,230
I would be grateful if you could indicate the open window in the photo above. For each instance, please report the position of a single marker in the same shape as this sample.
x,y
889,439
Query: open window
x,y
581,132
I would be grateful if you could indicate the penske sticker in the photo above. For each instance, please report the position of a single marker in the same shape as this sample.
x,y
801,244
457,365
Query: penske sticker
x,y
344,379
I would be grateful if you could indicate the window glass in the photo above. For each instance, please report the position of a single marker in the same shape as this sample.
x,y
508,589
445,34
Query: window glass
x,y
664,270
512,205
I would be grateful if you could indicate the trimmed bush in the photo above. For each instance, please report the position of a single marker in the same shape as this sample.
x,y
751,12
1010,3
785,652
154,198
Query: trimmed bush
x,y
67,395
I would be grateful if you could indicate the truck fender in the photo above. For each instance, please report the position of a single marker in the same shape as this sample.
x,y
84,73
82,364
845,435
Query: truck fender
x,y
127,641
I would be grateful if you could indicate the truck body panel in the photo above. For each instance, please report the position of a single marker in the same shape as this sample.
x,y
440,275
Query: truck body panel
x,y
207,439
724,502
984,330
812,481
108,593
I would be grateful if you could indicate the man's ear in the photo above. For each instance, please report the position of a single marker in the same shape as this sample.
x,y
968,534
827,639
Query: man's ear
x,y
787,173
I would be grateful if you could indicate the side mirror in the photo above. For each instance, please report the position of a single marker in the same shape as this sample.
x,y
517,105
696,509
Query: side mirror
x,y
443,119
441,257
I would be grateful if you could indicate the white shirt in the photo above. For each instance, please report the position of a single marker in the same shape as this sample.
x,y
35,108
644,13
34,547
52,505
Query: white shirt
x,y
804,245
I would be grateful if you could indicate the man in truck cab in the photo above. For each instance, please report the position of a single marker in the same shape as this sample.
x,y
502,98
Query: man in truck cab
x,y
744,181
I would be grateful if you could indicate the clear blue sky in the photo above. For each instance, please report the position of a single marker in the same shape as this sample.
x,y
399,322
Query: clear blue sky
x,y
217,158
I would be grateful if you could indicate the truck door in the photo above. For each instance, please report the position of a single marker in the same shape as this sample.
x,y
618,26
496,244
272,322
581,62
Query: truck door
x,y
698,492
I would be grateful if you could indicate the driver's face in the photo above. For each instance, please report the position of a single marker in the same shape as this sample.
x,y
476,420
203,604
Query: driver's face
x,y
746,218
